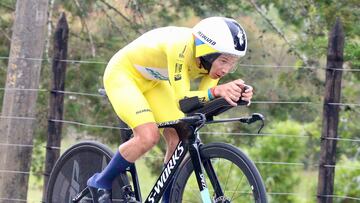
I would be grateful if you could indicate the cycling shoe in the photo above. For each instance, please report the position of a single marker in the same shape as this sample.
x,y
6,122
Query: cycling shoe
x,y
128,194
100,195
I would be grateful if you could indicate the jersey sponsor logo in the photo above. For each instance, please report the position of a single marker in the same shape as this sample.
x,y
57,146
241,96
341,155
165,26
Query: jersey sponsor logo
x,y
181,55
177,77
166,172
152,73
143,111
178,67
156,74
206,38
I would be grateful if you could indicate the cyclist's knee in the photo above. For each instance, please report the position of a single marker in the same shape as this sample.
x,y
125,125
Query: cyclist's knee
x,y
171,138
147,135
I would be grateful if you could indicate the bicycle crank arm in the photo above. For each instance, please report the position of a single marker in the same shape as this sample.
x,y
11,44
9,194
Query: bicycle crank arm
x,y
82,194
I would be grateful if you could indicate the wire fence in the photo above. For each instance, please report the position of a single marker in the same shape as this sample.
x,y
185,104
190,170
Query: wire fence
x,y
286,136
253,102
258,162
201,133
241,65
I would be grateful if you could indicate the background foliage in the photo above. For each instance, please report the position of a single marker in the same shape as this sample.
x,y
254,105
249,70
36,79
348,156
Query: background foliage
x,y
98,28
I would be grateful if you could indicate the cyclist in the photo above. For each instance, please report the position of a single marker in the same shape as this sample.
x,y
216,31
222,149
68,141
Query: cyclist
x,y
145,80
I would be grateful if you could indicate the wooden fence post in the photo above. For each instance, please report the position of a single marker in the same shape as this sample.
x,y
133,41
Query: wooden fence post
x,y
56,102
18,112
330,114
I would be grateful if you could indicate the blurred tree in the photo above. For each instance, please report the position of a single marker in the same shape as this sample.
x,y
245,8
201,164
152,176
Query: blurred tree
x,y
280,178
114,23
347,180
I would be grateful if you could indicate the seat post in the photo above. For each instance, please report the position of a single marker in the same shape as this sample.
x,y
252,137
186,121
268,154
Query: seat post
x,y
125,134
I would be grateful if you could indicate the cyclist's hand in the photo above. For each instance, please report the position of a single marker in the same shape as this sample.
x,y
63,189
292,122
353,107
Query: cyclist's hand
x,y
230,91
247,94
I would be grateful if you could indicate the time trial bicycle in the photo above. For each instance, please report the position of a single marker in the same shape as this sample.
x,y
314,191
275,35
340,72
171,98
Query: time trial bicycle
x,y
198,172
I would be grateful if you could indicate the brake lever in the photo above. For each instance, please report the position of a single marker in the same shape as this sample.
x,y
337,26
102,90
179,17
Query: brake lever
x,y
253,118
262,126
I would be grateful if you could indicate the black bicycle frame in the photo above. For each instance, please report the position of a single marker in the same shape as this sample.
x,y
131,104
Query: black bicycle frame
x,y
167,173
190,145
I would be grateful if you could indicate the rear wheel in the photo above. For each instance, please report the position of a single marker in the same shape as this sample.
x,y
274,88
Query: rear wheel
x,y
230,175
75,166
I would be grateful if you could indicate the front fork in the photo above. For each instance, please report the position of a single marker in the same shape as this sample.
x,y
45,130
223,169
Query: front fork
x,y
200,177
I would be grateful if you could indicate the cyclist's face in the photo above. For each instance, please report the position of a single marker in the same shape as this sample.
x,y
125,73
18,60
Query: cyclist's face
x,y
223,65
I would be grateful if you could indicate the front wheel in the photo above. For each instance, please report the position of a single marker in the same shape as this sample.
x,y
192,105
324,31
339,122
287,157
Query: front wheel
x,y
230,176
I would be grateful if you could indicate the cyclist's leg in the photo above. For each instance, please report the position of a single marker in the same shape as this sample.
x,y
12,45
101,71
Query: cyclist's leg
x,y
171,139
145,137
131,106
162,101
163,104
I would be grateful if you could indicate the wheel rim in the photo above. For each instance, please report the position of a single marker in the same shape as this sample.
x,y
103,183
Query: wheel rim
x,y
74,168
233,182
73,174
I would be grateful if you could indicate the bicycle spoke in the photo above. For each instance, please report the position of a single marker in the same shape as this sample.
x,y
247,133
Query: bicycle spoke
x,y
193,193
244,194
218,161
227,179
237,186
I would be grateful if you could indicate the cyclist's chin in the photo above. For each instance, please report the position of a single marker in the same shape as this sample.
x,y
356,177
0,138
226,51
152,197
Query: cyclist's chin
x,y
214,76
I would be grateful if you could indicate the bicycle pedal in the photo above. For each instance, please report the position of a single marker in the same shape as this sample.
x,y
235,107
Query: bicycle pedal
x,y
81,195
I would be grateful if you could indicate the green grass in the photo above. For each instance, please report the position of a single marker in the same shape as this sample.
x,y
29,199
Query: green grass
x,y
35,190
307,187
147,180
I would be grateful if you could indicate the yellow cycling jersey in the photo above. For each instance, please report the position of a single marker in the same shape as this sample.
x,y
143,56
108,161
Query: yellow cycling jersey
x,y
169,54
145,80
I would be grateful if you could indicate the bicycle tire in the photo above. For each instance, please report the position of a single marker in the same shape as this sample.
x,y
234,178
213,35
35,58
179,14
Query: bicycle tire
x,y
185,188
74,167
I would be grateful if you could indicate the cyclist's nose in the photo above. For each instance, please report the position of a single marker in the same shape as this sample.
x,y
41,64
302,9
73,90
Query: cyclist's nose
x,y
225,69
